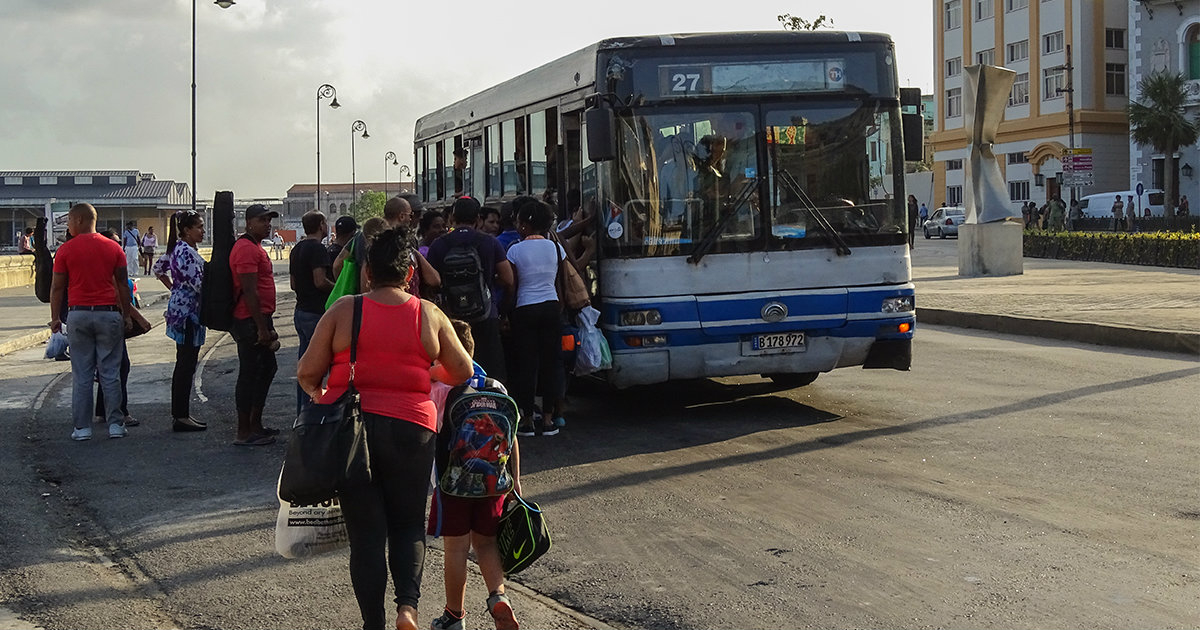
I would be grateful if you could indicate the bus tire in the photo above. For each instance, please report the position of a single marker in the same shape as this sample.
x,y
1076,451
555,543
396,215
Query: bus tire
x,y
794,380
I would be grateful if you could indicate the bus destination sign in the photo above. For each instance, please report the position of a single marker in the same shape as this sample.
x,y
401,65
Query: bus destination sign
x,y
768,77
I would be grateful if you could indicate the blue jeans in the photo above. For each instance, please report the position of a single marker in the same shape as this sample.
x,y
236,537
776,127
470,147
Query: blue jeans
x,y
306,325
96,342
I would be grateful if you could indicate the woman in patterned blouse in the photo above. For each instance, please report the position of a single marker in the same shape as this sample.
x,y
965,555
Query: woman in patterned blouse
x,y
182,269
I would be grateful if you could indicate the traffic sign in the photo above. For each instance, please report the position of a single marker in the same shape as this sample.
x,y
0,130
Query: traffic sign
x,y
1140,189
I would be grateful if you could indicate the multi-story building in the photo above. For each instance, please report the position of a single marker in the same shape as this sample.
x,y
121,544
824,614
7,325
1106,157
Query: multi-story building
x,y
1165,36
336,198
1032,38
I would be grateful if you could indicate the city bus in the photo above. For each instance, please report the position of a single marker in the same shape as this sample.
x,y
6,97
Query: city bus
x,y
743,192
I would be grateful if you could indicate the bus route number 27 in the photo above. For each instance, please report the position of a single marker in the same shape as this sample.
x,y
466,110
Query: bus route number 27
x,y
683,80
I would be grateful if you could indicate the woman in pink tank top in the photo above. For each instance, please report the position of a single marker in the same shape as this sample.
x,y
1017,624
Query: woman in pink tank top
x,y
403,342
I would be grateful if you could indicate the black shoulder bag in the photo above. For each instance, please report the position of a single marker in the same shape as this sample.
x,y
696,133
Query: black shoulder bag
x,y
328,448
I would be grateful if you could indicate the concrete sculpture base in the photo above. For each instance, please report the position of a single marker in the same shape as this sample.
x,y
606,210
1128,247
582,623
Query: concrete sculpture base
x,y
990,249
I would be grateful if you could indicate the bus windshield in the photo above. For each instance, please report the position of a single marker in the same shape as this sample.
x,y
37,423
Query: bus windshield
x,y
721,179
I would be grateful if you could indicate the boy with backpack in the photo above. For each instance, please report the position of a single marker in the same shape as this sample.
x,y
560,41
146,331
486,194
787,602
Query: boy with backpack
x,y
473,266
476,466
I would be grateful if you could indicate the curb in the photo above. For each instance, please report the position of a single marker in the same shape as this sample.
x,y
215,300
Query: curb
x,y
41,336
1099,334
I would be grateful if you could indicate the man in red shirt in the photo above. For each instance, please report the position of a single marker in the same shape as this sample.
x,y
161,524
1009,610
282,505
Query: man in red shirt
x,y
91,269
257,341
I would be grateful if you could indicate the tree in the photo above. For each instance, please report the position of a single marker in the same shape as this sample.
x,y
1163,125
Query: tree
x,y
1157,120
369,205
793,23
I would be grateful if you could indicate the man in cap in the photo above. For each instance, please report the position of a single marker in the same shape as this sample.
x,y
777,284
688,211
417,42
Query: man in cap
x,y
257,341
344,229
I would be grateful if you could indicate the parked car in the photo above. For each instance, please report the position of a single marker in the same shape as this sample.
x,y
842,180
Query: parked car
x,y
944,222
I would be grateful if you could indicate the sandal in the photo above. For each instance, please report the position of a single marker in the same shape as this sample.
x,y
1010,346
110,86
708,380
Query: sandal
x,y
255,440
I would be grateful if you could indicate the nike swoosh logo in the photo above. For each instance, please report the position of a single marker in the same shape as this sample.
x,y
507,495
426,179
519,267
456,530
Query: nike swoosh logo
x,y
517,553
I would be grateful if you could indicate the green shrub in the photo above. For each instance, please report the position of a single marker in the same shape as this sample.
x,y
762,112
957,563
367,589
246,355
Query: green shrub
x,y
1161,249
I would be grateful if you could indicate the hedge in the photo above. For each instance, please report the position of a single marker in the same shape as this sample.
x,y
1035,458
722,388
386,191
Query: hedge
x,y
1161,249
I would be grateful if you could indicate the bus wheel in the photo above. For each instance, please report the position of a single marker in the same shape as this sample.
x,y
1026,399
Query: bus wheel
x,y
794,380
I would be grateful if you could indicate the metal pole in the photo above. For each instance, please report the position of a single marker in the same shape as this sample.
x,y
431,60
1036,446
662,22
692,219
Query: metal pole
x,y
385,177
318,196
193,106
1071,119
353,181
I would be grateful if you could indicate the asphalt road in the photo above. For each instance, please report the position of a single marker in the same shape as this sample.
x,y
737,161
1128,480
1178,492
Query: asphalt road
x,y
1004,482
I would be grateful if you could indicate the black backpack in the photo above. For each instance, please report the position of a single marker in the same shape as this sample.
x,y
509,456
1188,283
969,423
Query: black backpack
x,y
465,292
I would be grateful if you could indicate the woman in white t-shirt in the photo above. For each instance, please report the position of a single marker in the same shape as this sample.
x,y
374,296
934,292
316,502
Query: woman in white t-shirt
x,y
536,327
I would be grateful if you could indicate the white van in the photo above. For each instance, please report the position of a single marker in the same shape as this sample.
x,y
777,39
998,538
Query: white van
x,y
1099,206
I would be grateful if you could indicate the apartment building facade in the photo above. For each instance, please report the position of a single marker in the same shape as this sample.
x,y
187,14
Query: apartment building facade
x,y
1166,38
1032,38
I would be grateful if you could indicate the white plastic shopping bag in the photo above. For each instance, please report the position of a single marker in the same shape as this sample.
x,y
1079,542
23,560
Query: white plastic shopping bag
x,y
592,345
303,531
57,345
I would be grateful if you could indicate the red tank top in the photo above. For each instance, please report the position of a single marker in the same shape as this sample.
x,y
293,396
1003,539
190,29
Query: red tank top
x,y
392,374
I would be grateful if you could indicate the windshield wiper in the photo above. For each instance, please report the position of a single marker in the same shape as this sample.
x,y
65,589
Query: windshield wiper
x,y
710,238
793,186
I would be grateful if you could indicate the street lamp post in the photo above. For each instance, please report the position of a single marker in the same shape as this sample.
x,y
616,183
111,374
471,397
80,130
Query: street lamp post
x,y
403,171
355,127
224,4
325,91
387,157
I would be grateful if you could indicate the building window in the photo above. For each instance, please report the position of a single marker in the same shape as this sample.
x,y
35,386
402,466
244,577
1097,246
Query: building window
x,y
1018,191
1053,80
1015,5
1114,79
83,179
13,181
1052,42
954,165
332,209
1019,94
342,208
983,9
1018,51
954,66
1114,38
48,181
954,195
118,180
953,15
1158,173
953,102
986,57
1193,52
1017,158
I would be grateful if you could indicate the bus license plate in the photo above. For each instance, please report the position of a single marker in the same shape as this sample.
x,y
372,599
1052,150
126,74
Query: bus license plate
x,y
774,342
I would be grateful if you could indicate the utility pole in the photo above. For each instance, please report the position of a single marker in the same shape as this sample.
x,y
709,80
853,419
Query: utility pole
x,y
1070,68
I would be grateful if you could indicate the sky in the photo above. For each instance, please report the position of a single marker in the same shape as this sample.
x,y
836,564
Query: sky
x,y
105,85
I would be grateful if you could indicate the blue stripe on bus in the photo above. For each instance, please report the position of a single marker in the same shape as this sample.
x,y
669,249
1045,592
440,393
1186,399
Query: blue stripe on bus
x,y
862,329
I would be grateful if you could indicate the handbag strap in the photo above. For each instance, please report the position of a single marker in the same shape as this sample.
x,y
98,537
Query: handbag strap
x,y
358,309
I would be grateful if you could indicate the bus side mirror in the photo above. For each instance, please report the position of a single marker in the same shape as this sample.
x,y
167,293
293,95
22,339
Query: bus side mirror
x,y
912,126
601,140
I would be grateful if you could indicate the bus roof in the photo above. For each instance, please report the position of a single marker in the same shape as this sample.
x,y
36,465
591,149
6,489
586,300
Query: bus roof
x,y
578,70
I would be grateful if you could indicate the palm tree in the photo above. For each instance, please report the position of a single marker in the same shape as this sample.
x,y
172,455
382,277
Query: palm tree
x,y
1157,120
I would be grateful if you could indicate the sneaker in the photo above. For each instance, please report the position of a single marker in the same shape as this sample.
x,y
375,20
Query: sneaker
x,y
80,435
130,421
116,431
447,622
525,429
548,431
502,612
560,421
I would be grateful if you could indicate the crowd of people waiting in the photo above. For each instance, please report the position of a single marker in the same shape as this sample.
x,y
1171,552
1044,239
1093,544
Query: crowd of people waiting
x,y
445,298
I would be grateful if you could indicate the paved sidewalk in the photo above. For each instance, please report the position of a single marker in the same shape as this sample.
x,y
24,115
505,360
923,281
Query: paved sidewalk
x,y
1155,308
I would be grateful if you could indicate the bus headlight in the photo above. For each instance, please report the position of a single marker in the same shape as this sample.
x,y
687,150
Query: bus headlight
x,y
901,304
641,318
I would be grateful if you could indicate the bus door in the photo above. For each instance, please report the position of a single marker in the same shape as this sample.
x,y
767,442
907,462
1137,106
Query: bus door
x,y
478,174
